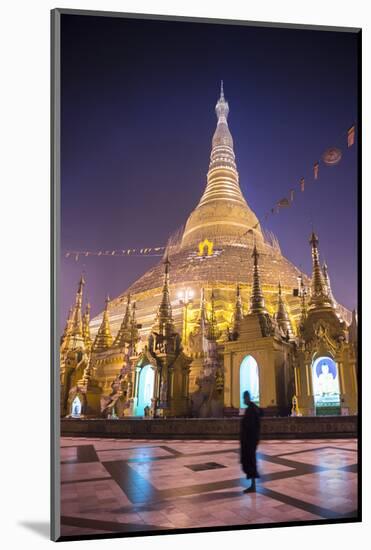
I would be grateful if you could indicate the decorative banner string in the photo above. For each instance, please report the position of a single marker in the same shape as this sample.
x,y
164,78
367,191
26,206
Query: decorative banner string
x,y
330,157
150,251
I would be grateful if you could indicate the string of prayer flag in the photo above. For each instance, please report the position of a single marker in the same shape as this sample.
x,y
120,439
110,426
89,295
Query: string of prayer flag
x,y
351,135
315,170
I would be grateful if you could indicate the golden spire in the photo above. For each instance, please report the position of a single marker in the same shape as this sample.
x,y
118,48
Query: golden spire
x,y
202,321
222,211
134,333
86,327
212,332
353,329
303,304
257,304
124,334
103,339
77,339
327,281
67,331
238,310
164,315
319,297
222,177
282,317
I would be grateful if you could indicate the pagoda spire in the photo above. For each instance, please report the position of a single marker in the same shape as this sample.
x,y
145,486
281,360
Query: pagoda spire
x,y
103,339
134,334
86,327
303,306
124,334
222,177
327,281
164,314
282,317
203,315
77,339
222,212
353,329
67,331
319,296
257,304
238,310
212,328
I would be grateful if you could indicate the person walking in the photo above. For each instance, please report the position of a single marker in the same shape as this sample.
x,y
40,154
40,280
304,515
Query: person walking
x,y
249,439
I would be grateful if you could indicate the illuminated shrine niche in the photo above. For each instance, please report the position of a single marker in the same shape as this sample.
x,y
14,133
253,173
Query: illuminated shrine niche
x,y
205,248
76,407
326,389
146,387
249,380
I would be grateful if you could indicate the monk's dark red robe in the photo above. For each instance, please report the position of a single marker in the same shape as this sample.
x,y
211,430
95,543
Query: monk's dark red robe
x,y
249,439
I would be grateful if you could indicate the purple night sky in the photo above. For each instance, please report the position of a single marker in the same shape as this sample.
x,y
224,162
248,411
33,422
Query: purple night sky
x,y
138,116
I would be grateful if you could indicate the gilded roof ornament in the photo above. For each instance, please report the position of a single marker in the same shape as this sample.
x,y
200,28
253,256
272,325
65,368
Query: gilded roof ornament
x,y
319,296
238,310
124,334
103,339
282,317
257,303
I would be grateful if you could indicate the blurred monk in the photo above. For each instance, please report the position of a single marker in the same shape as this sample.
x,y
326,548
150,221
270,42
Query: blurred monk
x,y
249,438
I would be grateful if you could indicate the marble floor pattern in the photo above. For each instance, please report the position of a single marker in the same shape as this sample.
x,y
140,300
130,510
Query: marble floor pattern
x,y
124,486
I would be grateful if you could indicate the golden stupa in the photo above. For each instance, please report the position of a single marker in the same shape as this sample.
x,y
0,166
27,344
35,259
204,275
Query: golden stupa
x,y
213,254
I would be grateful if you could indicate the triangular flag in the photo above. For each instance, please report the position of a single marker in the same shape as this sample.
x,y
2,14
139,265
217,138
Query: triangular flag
x,y
315,170
351,135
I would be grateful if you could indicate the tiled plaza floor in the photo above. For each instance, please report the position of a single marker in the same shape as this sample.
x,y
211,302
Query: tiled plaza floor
x,y
118,486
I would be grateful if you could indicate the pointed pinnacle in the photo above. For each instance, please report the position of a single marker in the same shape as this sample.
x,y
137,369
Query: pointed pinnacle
x,y
221,90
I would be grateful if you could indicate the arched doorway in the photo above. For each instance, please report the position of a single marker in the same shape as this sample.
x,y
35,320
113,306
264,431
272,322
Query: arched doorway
x,y
249,380
76,407
326,388
145,389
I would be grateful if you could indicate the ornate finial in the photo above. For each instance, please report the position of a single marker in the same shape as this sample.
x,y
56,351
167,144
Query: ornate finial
x,y
282,318
319,295
212,332
134,333
238,311
124,334
67,330
103,339
164,314
327,281
86,327
257,304
77,340
353,329
222,109
303,306
203,316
